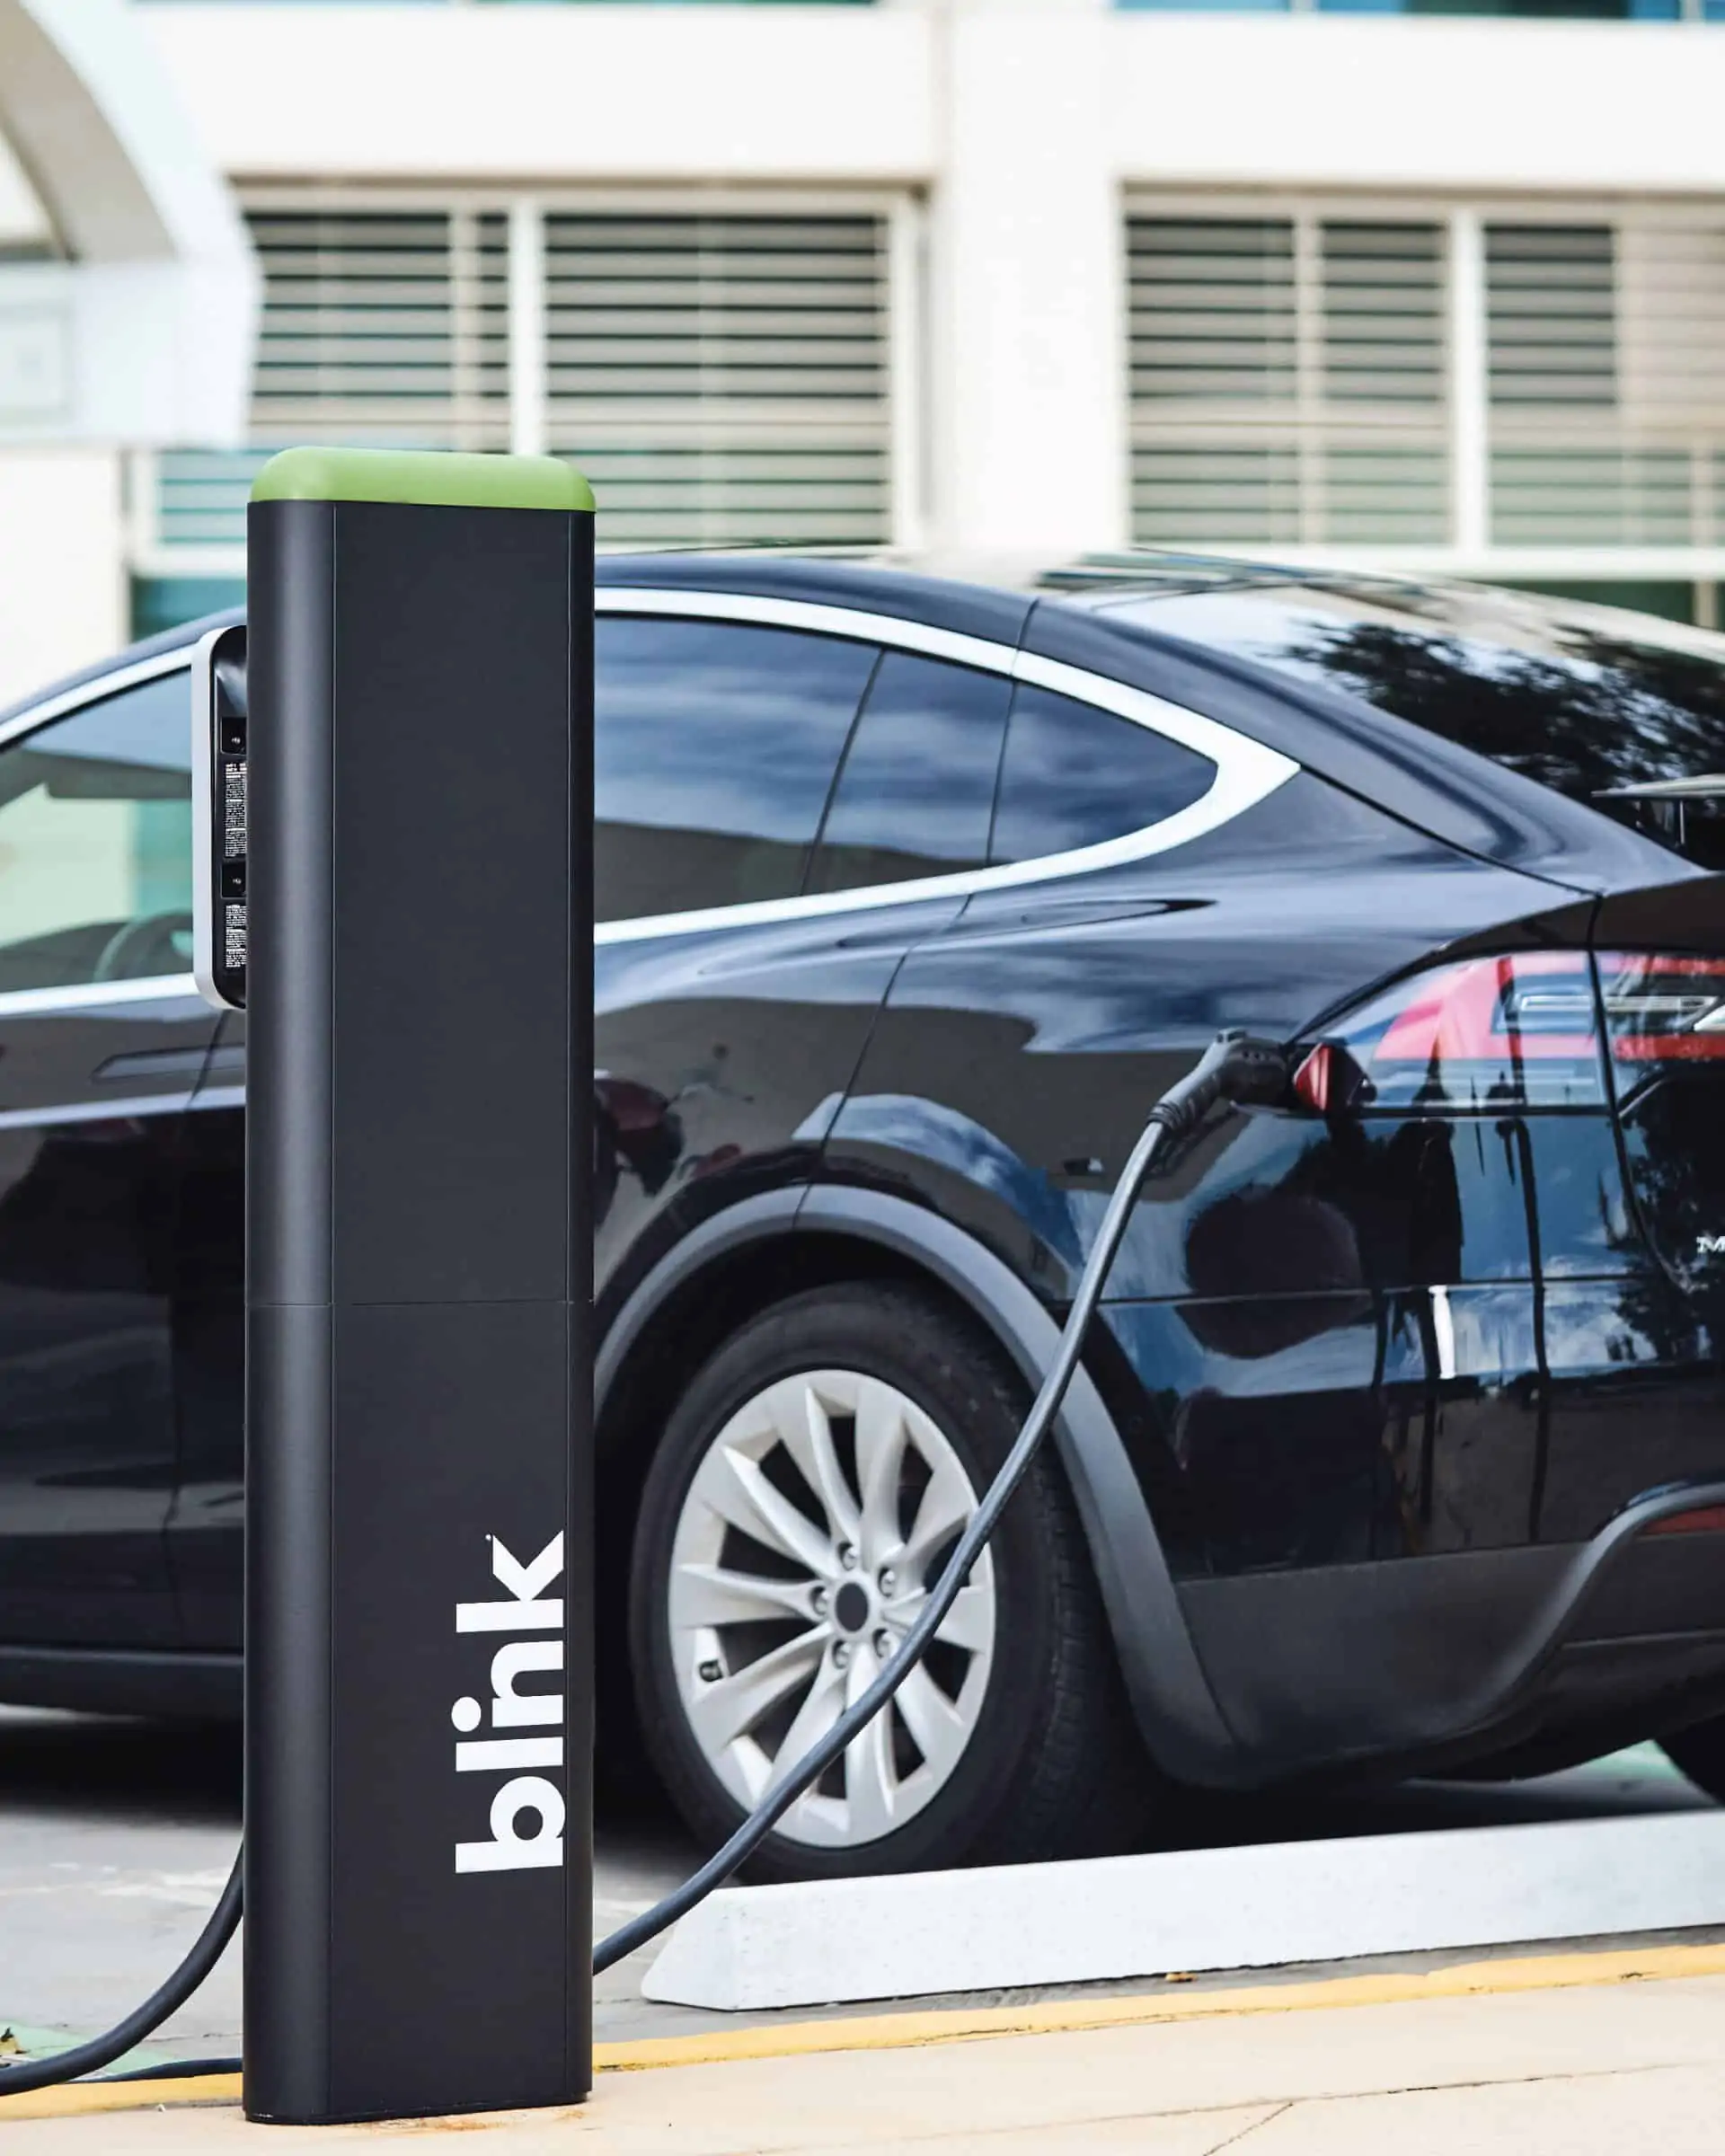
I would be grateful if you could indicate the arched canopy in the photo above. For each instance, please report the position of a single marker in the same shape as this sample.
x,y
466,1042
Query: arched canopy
x,y
142,330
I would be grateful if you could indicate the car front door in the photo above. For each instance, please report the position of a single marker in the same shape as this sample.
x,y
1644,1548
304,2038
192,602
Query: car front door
x,y
103,1040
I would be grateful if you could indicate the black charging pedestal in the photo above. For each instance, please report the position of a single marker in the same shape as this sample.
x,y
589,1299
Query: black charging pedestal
x,y
418,964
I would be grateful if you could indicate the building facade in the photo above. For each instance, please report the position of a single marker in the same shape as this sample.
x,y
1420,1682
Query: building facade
x,y
1421,286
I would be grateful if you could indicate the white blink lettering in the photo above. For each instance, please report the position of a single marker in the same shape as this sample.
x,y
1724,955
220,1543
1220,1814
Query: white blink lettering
x,y
524,1607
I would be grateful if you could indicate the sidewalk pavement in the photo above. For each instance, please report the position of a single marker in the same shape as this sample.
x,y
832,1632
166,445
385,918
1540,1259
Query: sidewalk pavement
x,y
1565,2055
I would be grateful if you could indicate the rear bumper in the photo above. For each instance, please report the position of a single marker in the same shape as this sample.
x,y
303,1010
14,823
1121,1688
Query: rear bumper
x,y
1522,1659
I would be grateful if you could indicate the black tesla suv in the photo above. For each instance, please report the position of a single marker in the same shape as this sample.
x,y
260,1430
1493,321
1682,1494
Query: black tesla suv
x,y
1399,1445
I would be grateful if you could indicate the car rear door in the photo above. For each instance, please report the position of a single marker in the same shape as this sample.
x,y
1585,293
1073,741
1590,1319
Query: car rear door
x,y
722,1020
103,1038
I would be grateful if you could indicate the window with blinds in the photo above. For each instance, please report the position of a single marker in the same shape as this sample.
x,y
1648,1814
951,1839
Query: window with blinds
x,y
380,328
1607,382
384,328
1293,379
720,378
1288,379
725,378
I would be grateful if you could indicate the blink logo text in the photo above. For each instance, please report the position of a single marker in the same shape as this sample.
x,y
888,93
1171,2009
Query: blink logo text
x,y
526,1799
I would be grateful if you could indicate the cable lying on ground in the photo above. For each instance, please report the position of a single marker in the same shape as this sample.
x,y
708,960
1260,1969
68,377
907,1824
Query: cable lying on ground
x,y
143,2021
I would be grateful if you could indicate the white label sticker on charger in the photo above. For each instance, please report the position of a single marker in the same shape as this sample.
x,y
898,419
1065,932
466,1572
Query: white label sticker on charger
x,y
233,811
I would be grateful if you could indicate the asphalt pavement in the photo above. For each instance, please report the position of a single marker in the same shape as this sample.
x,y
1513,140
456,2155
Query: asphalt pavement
x,y
116,1837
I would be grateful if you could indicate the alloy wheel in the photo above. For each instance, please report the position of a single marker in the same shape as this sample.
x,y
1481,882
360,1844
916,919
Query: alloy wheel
x,y
818,1518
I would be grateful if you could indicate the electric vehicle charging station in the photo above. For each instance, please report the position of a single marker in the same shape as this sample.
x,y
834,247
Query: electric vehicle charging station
x,y
404,746
393,824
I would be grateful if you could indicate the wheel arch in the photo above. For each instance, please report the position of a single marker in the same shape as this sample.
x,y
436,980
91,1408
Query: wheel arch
x,y
739,1262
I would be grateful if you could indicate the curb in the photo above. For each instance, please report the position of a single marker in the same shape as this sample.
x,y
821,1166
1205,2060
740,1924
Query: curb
x,y
907,2031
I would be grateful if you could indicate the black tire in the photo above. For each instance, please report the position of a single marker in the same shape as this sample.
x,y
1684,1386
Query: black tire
x,y
1700,1754
1053,1766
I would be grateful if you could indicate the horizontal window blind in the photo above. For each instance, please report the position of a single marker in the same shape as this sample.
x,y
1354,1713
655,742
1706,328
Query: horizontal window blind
x,y
1288,379
725,378
389,329
1607,381
380,328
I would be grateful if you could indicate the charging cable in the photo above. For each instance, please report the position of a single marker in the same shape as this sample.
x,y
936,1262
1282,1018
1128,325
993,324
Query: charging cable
x,y
143,2021
1235,1068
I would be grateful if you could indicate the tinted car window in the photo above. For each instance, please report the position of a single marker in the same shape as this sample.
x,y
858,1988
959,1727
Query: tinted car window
x,y
1583,700
95,843
1074,776
715,746
917,787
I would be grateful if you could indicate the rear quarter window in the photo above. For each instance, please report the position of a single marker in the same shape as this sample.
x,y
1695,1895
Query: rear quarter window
x,y
1595,704
1073,776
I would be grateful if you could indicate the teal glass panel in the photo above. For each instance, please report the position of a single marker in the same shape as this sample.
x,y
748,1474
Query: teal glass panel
x,y
161,603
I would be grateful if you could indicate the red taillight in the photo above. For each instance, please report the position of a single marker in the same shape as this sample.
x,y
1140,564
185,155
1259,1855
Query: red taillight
x,y
1519,1030
1709,1519
1662,1008
1514,1031
1538,1004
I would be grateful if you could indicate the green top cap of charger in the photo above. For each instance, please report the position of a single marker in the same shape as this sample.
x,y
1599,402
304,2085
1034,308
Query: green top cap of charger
x,y
423,478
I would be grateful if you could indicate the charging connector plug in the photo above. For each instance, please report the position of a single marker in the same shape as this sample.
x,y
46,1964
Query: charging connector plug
x,y
1235,1067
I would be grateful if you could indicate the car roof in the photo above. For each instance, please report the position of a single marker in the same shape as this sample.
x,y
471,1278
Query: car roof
x,y
993,596
1100,613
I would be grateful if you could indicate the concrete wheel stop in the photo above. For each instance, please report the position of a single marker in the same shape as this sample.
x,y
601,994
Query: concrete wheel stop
x,y
922,1934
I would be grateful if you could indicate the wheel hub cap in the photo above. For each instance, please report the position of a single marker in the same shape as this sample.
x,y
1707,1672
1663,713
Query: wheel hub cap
x,y
813,1528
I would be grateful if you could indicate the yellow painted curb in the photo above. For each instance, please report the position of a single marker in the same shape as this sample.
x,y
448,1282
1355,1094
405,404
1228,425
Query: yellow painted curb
x,y
895,2032
902,2031
80,2099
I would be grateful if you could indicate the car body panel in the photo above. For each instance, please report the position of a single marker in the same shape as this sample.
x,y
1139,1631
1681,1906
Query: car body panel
x,y
723,1059
1373,1403
206,1541
93,1098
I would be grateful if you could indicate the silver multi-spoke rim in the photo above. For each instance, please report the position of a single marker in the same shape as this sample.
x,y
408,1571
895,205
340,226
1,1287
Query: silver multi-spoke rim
x,y
815,1525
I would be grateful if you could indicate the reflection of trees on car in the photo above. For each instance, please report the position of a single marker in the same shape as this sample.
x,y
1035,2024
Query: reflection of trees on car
x,y
1612,714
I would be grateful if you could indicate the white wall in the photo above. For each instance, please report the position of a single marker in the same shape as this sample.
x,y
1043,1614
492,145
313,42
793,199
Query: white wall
x,y
63,595
556,93
1027,429
152,324
1386,102
868,94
